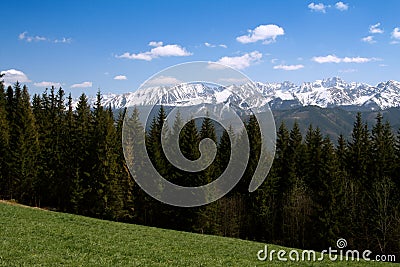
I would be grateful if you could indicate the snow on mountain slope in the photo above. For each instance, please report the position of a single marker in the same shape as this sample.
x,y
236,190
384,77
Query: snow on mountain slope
x,y
332,92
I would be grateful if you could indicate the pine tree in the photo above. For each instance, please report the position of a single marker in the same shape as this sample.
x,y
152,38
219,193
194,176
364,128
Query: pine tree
x,y
313,161
4,143
357,166
327,200
69,155
296,154
126,180
382,149
154,145
25,147
49,111
103,196
82,169
382,170
280,168
207,221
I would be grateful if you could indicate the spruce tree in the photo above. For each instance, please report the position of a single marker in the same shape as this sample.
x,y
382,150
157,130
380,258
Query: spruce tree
x,y
207,221
126,179
4,143
82,169
25,147
382,170
358,163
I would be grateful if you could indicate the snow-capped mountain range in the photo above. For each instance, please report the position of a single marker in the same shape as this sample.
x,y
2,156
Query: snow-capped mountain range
x,y
327,93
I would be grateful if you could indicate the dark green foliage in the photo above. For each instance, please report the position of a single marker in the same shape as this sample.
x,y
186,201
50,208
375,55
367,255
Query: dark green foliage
x,y
73,160
24,146
4,143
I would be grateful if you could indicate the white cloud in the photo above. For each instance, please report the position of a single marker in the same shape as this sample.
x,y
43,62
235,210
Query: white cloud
x,y
155,44
163,80
317,7
335,59
82,85
383,65
288,67
25,37
375,28
239,62
213,45
357,59
11,76
368,39
158,51
120,77
327,59
396,33
63,40
341,6
274,60
47,84
265,33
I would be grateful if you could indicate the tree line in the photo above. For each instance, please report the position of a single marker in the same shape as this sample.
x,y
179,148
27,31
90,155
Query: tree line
x,y
71,159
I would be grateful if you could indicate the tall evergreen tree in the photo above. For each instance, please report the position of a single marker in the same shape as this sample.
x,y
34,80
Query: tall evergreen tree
x,y
4,143
207,220
357,165
25,147
126,181
82,169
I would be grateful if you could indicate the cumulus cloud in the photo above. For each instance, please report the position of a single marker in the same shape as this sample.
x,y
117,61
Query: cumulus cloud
x,y
288,67
11,76
396,33
82,85
335,59
159,50
163,80
368,39
120,77
317,7
265,33
239,62
341,6
47,84
375,28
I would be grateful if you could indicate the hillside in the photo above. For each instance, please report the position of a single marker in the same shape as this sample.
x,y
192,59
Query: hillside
x,y
333,121
31,237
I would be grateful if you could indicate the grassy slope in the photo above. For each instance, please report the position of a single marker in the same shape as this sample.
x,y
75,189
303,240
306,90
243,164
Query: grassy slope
x,y
30,237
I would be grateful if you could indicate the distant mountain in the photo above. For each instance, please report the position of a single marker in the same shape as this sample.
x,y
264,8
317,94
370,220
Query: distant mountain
x,y
327,93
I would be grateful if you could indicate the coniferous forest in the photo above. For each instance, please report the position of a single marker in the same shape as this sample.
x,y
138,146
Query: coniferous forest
x,y
318,190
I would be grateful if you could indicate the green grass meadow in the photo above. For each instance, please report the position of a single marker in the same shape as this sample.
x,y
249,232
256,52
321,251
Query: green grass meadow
x,y
34,237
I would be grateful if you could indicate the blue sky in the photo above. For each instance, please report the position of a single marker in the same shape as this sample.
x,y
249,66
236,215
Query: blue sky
x,y
115,46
